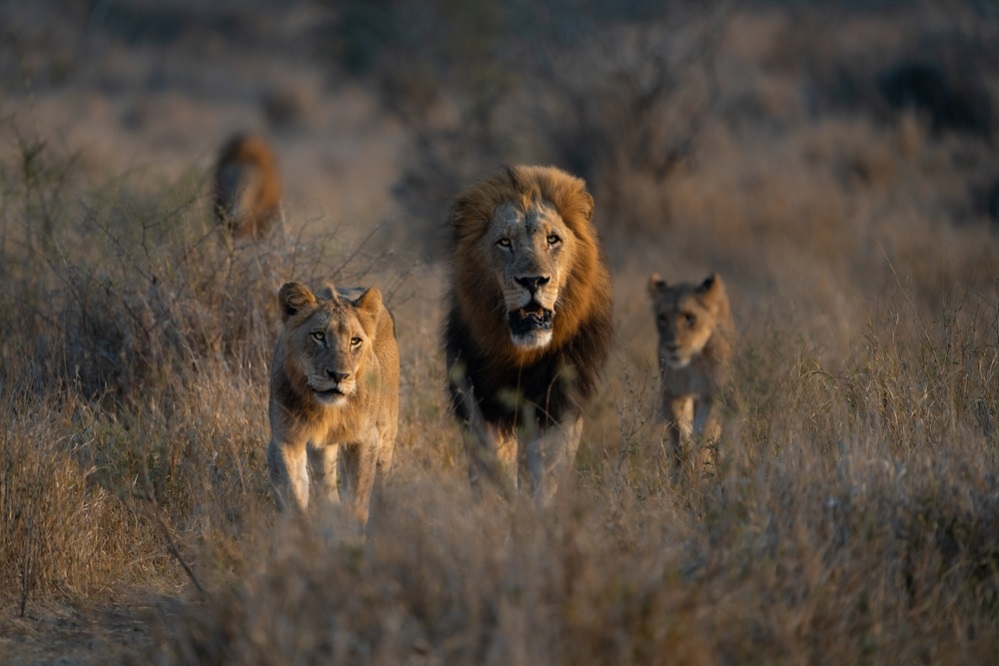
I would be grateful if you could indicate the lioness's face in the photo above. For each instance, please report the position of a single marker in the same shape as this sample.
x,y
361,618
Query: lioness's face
x,y
530,251
327,345
685,320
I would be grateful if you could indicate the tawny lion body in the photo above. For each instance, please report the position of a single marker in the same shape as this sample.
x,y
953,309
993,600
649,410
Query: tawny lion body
x,y
529,323
695,353
334,396
247,187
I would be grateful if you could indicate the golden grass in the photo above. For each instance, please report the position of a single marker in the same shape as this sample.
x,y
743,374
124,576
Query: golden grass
x,y
851,517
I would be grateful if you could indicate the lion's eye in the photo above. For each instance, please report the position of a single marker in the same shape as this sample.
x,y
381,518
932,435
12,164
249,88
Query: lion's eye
x,y
504,242
318,336
355,341
553,239
690,319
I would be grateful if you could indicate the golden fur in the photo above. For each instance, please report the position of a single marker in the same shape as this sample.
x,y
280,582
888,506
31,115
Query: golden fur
x,y
529,322
695,353
246,186
334,396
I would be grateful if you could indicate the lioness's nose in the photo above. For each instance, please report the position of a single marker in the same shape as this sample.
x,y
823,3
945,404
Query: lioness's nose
x,y
533,282
338,376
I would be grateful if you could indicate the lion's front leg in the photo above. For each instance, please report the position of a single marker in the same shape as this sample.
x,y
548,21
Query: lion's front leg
x,y
287,466
491,453
546,458
702,415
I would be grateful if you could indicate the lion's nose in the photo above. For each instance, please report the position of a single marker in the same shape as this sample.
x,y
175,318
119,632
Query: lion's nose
x,y
534,282
337,376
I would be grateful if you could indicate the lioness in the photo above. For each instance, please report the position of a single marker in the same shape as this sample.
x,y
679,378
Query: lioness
x,y
247,188
334,396
695,351
529,323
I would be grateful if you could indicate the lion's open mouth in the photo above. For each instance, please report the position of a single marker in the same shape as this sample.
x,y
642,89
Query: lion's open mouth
x,y
330,395
529,319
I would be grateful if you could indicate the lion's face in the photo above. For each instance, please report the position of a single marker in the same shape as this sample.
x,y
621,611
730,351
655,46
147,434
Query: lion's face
x,y
529,249
686,317
328,339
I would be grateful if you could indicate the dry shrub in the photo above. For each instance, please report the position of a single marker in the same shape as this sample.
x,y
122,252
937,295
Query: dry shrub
x,y
61,531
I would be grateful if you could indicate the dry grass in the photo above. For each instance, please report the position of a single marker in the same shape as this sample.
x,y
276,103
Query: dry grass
x,y
851,517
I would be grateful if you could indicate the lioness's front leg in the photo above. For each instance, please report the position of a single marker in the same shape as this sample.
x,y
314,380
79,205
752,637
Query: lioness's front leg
x,y
324,464
547,456
360,465
287,466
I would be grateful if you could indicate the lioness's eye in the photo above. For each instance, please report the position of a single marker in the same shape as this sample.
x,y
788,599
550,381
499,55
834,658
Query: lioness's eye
x,y
355,341
553,239
690,319
318,336
503,242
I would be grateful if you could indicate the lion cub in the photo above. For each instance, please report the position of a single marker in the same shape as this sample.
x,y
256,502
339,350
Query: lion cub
x,y
334,396
695,352
246,186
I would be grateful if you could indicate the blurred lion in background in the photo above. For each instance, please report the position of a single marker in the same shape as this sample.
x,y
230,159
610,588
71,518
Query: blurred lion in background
x,y
529,324
247,187
695,354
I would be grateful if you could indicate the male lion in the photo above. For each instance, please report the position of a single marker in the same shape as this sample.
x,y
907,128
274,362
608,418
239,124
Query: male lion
x,y
247,189
695,351
334,403
529,323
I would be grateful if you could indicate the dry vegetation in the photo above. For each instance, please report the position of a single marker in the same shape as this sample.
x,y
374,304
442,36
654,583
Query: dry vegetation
x,y
853,514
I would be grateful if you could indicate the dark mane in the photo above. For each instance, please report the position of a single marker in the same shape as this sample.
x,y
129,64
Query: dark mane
x,y
544,391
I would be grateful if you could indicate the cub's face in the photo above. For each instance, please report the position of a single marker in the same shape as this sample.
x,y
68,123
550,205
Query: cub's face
x,y
329,340
686,317
530,251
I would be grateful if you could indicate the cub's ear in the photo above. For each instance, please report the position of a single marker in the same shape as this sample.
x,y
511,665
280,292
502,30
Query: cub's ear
x,y
656,284
712,287
293,298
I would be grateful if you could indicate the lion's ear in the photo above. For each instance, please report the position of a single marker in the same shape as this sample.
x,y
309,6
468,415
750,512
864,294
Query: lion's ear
x,y
293,298
656,284
586,200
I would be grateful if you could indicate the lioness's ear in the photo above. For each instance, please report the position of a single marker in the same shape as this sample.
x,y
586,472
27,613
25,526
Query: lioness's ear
x,y
370,302
292,298
656,284
712,286
328,292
